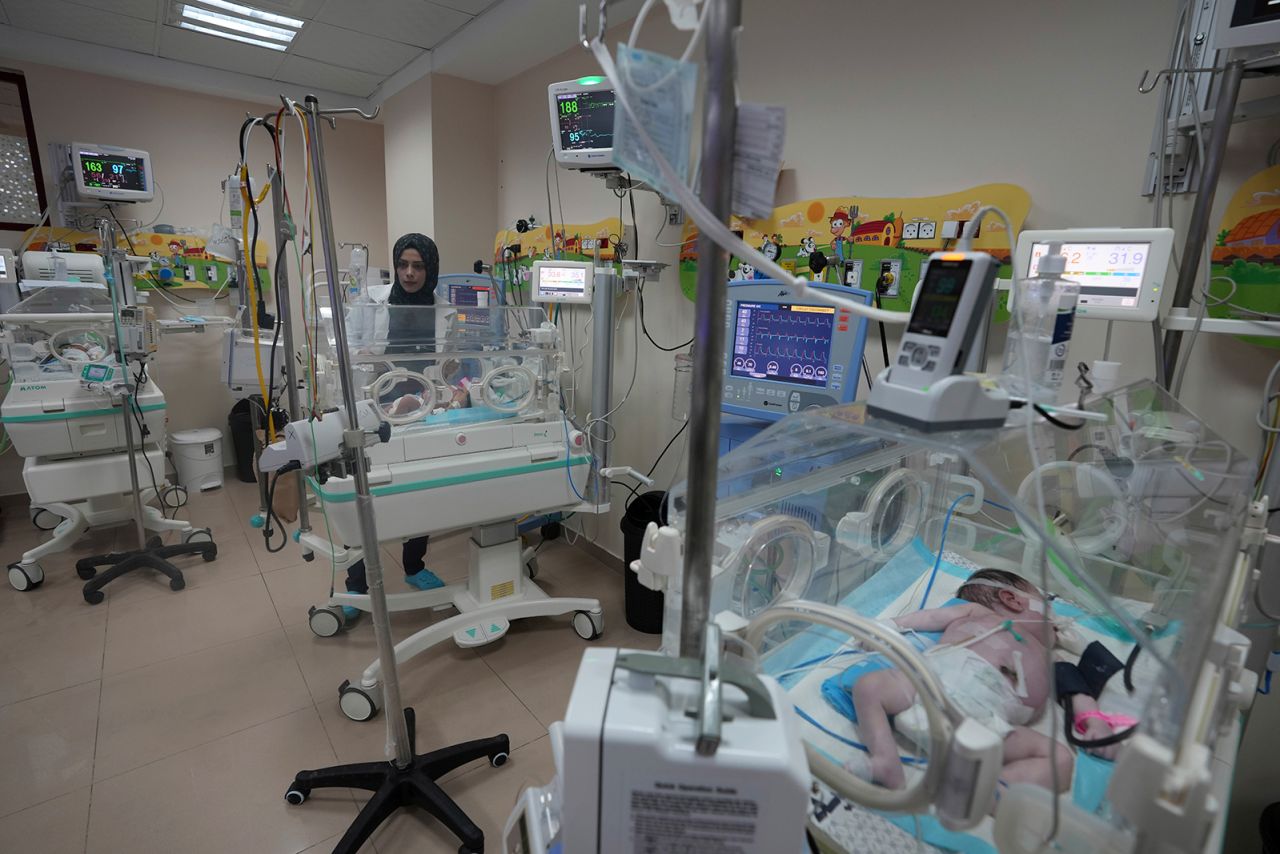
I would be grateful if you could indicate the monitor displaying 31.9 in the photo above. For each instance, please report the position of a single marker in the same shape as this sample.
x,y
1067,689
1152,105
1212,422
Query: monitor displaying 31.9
x,y
939,297
586,120
1109,274
113,171
783,342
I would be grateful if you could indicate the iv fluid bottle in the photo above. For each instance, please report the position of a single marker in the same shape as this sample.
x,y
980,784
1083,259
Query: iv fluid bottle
x,y
1040,334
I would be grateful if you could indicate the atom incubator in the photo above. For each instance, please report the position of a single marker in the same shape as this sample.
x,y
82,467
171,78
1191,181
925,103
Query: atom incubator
x,y
956,656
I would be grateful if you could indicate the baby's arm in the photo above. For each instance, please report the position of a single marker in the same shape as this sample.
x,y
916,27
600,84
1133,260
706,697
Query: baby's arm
x,y
938,619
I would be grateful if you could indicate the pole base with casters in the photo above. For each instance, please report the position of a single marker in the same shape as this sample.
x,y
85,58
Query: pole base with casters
x,y
154,556
395,788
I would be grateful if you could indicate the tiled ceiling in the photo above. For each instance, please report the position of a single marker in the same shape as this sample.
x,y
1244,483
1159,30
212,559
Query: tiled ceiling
x,y
345,46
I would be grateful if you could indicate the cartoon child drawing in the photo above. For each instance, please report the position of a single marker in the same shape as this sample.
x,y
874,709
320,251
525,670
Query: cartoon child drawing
x,y
807,246
840,222
772,248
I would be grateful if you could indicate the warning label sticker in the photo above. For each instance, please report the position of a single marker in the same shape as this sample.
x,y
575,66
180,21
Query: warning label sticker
x,y
692,819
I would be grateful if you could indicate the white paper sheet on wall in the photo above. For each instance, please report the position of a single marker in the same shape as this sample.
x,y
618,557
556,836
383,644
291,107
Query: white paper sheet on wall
x,y
757,158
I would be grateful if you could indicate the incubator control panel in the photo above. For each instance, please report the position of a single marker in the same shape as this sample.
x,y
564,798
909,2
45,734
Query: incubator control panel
x,y
785,353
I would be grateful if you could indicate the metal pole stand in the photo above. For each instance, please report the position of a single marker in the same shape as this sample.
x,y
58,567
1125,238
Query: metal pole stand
x,y
151,553
410,778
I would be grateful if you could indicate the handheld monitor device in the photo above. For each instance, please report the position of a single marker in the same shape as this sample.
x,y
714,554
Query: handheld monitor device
x,y
112,173
582,122
787,352
1120,271
926,387
563,281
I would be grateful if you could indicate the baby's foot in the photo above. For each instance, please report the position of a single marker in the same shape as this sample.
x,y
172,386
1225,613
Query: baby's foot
x,y
888,772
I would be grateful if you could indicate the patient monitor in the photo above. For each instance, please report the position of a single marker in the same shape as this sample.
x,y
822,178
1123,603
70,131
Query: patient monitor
x,y
111,173
1121,271
582,122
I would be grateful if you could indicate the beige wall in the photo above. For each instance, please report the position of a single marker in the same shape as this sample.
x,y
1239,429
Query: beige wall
x,y
406,117
193,143
464,156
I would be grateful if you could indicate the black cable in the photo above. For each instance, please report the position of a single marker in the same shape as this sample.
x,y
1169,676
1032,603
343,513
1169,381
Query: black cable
x,y
629,488
645,329
271,510
1089,447
135,410
866,371
678,434
275,341
160,286
1056,422
884,340
1128,667
635,229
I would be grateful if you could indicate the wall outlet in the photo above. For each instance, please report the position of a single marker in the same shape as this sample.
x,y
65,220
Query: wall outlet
x,y
675,215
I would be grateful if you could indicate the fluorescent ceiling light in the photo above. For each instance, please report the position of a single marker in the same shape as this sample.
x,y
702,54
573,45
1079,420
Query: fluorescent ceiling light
x,y
239,25
250,12
222,34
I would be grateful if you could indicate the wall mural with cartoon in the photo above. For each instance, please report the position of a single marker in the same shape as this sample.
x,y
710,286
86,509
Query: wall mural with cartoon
x,y
515,252
177,260
1246,255
874,244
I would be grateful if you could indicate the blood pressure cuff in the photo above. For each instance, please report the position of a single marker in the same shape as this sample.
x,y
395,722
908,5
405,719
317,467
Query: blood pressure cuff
x,y
1090,676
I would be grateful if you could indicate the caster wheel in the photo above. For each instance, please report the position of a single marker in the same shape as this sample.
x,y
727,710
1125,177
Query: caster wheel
x,y
357,704
199,535
211,555
497,760
295,795
94,597
532,567
178,583
309,556
24,577
587,625
85,572
552,531
45,520
325,622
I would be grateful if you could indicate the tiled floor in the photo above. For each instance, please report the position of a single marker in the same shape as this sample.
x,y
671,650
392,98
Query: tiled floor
x,y
173,722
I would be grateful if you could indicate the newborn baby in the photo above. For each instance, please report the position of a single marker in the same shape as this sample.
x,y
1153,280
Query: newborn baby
x,y
992,665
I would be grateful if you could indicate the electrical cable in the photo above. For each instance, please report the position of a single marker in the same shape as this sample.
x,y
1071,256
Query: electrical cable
x,y
645,328
1056,422
942,541
671,442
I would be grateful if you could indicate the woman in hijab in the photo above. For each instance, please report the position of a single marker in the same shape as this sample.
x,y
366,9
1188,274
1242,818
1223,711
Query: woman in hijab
x,y
417,263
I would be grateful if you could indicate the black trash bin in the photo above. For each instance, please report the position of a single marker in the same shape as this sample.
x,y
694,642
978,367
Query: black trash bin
x,y
1269,827
240,422
642,605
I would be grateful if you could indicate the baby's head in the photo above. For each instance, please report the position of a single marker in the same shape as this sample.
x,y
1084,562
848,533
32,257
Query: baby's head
x,y
1002,592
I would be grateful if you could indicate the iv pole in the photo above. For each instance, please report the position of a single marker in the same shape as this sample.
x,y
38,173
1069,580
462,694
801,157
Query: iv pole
x,y
408,779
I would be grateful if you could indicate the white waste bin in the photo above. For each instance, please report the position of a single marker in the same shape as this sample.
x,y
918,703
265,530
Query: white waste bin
x,y
197,454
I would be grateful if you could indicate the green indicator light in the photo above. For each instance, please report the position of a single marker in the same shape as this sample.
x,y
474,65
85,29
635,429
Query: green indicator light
x,y
589,81
777,472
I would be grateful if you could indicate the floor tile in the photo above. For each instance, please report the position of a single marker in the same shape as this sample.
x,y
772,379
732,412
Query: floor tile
x,y
173,705
455,695
140,633
51,655
235,560
46,746
325,847
53,827
295,589
227,795
486,794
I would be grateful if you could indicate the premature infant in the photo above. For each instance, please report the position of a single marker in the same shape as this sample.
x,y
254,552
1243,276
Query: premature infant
x,y
992,664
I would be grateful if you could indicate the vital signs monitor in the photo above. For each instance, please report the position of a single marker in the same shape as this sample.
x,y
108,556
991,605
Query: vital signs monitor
x,y
111,173
582,122
787,352
1120,271
563,281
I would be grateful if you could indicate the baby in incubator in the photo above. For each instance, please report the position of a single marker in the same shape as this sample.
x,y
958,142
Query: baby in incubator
x,y
993,666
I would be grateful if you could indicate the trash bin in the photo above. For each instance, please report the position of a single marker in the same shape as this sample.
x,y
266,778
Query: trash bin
x,y
643,606
1269,827
240,421
197,454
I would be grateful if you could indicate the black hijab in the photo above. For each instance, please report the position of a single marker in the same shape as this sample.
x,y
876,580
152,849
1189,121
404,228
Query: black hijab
x,y
403,330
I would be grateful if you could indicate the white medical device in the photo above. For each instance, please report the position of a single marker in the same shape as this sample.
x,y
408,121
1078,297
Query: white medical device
x,y
1246,23
925,387
8,267
40,268
582,122
632,776
111,173
563,281
1121,271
